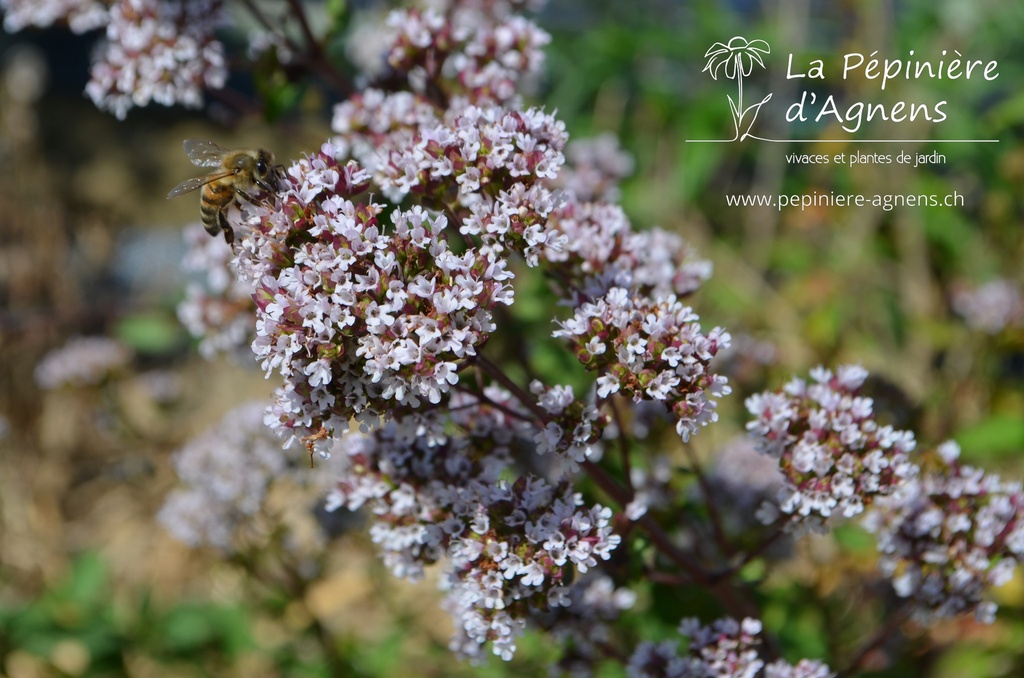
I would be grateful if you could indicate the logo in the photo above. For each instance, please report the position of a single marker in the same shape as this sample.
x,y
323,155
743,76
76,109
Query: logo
x,y
735,60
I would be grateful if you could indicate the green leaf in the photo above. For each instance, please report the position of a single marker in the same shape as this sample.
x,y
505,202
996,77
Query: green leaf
x,y
150,332
85,584
753,571
279,94
853,539
998,435
804,632
187,628
967,660
281,100
337,12
190,627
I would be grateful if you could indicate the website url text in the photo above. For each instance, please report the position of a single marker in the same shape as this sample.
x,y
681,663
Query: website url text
x,y
805,201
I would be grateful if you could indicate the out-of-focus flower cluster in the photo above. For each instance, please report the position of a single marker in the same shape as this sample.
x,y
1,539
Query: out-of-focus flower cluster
x,y
651,488
434,485
947,532
82,361
990,308
650,350
226,472
595,167
465,52
218,308
594,249
584,626
154,50
574,431
723,649
835,456
158,51
949,536
747,358
740,479
81,15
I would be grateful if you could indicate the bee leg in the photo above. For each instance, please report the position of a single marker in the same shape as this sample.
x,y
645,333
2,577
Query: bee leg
x,y
266,186
229,234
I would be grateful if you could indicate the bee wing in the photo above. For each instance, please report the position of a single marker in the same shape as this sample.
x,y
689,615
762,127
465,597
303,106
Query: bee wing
x,y
204,153
195,182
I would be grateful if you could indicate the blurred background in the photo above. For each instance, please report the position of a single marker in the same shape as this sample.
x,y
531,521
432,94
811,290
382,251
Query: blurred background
x,y
928,299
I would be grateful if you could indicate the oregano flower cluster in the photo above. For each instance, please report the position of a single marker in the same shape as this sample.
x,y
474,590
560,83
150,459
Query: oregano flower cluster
x,y
152,51
949,536
362,311
835,456
947,532
435,494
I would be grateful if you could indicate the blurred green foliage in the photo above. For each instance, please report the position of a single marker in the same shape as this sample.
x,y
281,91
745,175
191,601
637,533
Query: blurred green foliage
x,y
77,628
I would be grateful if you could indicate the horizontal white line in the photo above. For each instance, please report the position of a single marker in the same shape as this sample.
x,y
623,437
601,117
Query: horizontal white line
x,y
849,141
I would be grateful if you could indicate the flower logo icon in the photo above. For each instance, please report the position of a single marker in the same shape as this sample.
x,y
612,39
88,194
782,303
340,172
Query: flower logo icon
x,y
736,60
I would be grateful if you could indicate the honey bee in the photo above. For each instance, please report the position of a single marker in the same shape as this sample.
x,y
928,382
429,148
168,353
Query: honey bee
x,y
237,173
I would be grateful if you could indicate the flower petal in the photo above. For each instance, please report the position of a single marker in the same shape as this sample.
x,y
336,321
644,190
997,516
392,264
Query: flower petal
x,y
759,46
716,48
730,67
715,65
755,57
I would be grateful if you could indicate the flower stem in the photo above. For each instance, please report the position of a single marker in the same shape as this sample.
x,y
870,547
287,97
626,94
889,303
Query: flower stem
x,y
883,634
739,82
751,554
714,517
515,389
